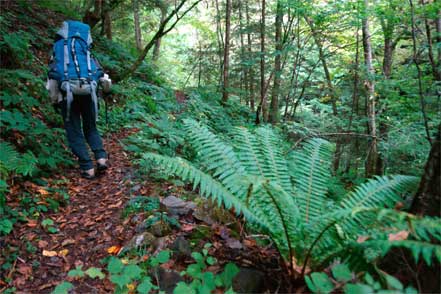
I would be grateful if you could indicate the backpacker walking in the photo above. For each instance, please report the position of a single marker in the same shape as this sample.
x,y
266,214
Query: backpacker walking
x,y
73,80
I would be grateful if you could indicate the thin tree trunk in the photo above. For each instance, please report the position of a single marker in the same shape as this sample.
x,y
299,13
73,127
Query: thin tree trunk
x,y
370,89
250,70
435,71
438,34
200,64
93,17
420,85
106,20
161,32
274,107
262,108
157,47
138,35
244,74
226,52
220,43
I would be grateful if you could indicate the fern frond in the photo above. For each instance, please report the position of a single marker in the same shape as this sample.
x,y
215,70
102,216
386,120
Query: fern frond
x,y
311,175
8,157
248,151
274,162
418,248
220,158
208,186
379,192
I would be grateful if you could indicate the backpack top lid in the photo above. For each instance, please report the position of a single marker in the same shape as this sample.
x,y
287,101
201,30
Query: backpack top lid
x,y
75,29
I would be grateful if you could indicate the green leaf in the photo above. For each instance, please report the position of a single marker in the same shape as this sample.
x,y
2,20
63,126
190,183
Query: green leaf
x,y
393,282
227,276
77,272
208,281
47,222
115,265
162,257
358,289
183,288
410,290
198,257
132,271
5,226
319,283
211,260
120,280
94,272
63,288
342,273
145,286
52,230
194,270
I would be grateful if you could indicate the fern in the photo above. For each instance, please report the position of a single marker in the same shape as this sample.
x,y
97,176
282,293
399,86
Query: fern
x,y
288,198
311,176
8,158
12,161
378,192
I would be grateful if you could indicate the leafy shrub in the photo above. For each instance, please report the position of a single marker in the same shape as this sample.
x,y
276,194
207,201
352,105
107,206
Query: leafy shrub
x,y
15,50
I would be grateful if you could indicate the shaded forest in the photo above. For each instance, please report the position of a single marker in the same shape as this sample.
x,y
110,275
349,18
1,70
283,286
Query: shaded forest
x,y
255,146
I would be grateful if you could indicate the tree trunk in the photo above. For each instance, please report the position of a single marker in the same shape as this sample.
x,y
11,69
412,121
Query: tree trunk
x,y
262,108
220,43
106,20
200,64
161,32
244,75
226,52
93,17
420,75
427,202
371,161
250,69
438,34
157,47
274,107
435,71
387,60
138,35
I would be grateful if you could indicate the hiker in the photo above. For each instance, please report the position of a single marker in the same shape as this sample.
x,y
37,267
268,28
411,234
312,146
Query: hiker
x,y
75,79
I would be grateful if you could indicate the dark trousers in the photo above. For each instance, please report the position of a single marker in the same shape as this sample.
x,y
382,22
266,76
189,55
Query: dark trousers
x,y
82,109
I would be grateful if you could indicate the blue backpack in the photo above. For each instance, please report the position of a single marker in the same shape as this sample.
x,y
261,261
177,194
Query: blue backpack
x,y
72,65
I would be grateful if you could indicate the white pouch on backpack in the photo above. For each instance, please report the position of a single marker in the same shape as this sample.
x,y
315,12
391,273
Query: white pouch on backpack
x,y
79,87
54,91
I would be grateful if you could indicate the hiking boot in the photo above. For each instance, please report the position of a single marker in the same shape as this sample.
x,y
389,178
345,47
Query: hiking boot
x,y
101,164
88,174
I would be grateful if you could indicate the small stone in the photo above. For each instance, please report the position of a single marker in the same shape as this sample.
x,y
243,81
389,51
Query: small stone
x,y
141,227
144,239
249,280
177,206
181,247
168,279
234,243
160,229
136,219
136,188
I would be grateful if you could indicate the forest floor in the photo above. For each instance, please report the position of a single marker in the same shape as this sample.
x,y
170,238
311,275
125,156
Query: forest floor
x,y
87,226
93,226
